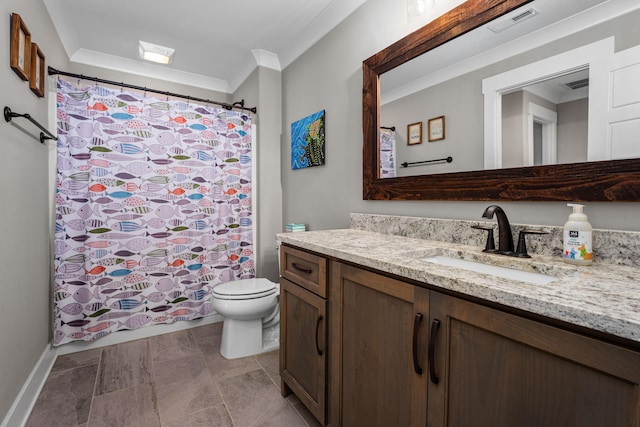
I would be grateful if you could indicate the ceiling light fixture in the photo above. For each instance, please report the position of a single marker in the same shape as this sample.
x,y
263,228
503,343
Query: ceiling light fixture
x,y
430,9
419,7
415,7
155,53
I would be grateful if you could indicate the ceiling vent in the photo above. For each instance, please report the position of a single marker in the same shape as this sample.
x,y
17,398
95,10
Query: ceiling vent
x,y
578,84
499,27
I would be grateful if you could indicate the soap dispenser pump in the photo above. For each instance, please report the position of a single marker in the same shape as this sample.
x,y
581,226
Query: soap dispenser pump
x,y
577,237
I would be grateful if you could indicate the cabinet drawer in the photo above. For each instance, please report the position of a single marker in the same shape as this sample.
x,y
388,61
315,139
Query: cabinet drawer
x,y
304,269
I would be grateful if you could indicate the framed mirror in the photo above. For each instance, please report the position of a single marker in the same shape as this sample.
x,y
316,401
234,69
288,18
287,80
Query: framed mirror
x,y
606,180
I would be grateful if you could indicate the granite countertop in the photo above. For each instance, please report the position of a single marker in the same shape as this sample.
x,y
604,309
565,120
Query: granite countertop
x,y
603,297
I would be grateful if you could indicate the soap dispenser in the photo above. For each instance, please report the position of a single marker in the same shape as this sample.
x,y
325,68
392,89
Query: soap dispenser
x,y
577,238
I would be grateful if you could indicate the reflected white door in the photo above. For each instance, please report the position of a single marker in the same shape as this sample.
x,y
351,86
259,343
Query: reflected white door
x,y
614,114
543,142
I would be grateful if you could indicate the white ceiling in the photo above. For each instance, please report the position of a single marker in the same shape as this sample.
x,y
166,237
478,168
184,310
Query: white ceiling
x,y
217,43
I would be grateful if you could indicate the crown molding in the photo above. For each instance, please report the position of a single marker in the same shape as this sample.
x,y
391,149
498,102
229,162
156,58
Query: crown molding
x,y
110,62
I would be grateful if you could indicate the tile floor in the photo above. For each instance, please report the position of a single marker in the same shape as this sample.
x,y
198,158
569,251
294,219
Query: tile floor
x,y
176,379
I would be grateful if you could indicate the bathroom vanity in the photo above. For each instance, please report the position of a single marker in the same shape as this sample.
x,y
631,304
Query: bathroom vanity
x,y
414,340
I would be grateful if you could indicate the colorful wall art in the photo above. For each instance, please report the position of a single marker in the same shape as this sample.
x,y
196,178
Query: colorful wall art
x,y
307,141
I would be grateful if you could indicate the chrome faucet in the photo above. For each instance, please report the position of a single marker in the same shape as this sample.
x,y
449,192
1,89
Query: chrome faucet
x,y
505,239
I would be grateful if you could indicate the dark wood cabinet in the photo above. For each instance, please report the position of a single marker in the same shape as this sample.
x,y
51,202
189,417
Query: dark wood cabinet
x,y
375,380
397,354
497,369
303,329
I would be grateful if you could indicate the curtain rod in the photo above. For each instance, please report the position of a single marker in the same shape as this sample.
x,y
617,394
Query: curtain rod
x,y
226,106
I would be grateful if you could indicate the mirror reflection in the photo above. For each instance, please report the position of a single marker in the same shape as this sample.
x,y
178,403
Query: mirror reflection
x,y
546,123
539,121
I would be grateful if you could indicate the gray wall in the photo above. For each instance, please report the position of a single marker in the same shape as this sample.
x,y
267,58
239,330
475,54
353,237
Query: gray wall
x,y
24,191
457,101
573,131
264,86
512,130
329,76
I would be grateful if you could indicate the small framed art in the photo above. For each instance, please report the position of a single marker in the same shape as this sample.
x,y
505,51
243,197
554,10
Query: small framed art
x,y
414,133
436,129
19,54
308,141
36,79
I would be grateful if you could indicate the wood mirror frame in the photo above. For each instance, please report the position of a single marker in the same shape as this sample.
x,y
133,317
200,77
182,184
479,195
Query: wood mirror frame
x,y
613,180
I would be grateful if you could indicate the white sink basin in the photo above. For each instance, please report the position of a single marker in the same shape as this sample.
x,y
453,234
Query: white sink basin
x,y
478,267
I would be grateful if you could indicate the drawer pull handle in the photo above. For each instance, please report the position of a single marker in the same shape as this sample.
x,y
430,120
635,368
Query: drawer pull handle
x,y
318,349
416,324
303,269
432,350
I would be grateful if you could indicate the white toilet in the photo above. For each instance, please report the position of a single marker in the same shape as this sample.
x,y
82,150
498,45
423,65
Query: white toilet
x,y
251,316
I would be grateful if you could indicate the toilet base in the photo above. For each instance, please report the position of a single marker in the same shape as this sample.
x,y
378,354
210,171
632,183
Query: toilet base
x,y
241,338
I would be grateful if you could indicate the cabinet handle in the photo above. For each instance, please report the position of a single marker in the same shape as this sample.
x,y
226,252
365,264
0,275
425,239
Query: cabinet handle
x,y
303,269
432,350
416,325
318,349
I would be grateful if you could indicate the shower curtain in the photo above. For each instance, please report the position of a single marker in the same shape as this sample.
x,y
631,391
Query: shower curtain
x,y
387,153
153,209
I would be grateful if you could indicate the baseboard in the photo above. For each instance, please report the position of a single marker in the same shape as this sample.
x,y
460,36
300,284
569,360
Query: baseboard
x,y
23,404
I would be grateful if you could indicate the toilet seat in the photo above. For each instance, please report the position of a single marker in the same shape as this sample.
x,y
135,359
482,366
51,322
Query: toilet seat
x,y
244,289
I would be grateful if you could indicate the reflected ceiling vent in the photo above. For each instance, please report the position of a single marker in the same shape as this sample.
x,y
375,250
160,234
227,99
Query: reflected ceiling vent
x,y
577,84
499,27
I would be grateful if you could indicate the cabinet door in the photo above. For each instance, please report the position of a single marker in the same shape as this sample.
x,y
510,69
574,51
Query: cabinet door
x,y
303,356
374,379
497,369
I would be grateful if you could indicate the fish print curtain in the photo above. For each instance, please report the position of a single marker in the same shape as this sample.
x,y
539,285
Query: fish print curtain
x,y
387,154
153,209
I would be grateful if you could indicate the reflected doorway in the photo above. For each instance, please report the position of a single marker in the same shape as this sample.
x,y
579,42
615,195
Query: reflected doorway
x,y
546,123
542,136
586,60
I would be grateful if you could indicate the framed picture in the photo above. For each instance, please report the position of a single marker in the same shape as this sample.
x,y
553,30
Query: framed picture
x,y
414,133
36,79
19,54
308,140
436,129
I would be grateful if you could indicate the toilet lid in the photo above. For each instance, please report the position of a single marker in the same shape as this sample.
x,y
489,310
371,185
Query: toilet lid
x,y
248,288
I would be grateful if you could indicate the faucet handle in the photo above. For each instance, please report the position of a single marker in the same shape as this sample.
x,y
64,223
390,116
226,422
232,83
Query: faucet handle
x,y
490,246
521,250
